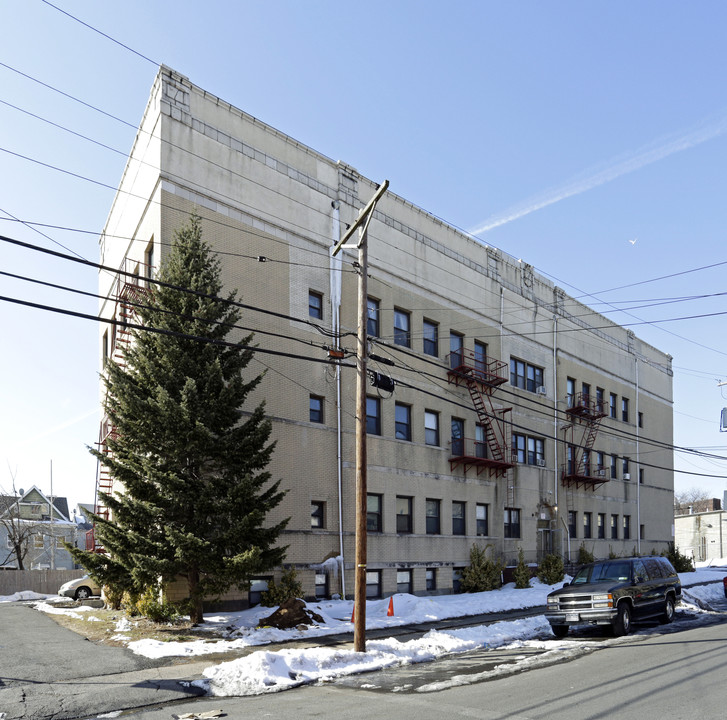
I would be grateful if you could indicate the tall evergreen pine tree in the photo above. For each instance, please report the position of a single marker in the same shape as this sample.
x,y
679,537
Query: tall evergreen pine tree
x,y
192,464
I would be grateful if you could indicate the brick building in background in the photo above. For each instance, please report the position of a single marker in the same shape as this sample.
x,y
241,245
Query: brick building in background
x,y
519,417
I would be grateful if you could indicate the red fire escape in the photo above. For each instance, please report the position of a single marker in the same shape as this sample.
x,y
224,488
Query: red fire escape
x,y
128,292
481,375
586,415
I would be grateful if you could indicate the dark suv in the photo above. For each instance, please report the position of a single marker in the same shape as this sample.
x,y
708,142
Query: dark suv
x,y
615,592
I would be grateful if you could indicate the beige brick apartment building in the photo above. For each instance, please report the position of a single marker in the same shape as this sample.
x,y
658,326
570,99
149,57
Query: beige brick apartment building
x,y
519,417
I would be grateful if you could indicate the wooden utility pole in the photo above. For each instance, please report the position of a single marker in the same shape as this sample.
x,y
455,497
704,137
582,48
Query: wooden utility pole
x,y
359,600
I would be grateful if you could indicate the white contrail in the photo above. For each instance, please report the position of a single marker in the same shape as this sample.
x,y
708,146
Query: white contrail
x,y
621,165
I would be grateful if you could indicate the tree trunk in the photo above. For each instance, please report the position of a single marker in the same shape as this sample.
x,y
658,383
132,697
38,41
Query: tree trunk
x,y
195,608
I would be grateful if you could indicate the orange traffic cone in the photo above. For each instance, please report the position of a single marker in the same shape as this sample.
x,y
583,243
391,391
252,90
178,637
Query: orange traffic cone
x,y
390,612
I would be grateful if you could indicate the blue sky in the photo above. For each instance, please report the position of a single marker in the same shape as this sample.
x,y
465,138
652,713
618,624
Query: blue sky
x,y
567,129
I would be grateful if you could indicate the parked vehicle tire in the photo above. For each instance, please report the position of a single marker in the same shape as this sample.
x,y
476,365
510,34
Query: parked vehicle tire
x,y
559,630
622,623
83,593
668,615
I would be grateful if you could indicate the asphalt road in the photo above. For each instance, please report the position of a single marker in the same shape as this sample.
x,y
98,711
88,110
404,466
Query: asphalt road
x,y
677,675
48,671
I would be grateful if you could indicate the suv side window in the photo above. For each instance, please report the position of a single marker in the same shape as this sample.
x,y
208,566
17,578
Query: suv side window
x,y
666,567
653,567
640,574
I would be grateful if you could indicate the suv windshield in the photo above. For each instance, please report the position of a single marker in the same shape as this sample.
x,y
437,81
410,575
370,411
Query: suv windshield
x,y
603,572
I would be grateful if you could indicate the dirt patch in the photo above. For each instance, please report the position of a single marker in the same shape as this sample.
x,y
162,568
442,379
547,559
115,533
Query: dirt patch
x,y
103,627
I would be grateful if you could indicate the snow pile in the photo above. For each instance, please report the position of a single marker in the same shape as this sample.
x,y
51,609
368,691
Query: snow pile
x,y
265,672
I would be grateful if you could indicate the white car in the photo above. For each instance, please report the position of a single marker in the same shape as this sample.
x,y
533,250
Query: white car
x,y
81,588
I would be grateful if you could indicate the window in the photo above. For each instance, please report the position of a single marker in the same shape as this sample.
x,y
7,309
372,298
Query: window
x,y
404,514
627,527
614,472
373,584
480,441
38,541
403,421
625,468
641,476
518,447
625,409
105,347
525,376
456,350
372,317
599,463
315,304
402,335
373,513
457,580
642,533
600,399
570,392
458,518
572,520
612,405
149,260
431,578
317,514
257,587
641,419
480,357
481,519
433,526
316,409
403,581
587,525
430,333
530,450
373,416
322,586
512,523
586,463
536,451
614,527
601,526
586,393
457,437
570,463
431,428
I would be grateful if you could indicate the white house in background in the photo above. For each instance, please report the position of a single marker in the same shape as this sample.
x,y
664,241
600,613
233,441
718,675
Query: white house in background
x,y
702,535
41,526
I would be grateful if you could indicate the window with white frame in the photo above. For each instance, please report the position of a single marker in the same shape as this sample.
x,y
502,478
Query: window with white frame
x,y
431,427
402,328
430,338
525,376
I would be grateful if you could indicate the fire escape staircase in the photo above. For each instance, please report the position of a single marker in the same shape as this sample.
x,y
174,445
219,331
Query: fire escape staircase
x,y
129,291
481,375
586,415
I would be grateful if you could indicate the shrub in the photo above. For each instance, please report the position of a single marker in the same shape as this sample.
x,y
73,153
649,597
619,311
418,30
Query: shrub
x,y
612,554
482,573
680,561
289,587
550,570
150,606
585,556
522,572
113,596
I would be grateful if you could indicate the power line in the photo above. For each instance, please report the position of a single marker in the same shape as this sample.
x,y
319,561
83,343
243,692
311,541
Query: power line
x,y
103,34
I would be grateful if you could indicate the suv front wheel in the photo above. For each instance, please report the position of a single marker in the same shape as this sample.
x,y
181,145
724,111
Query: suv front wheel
x,y
622,623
